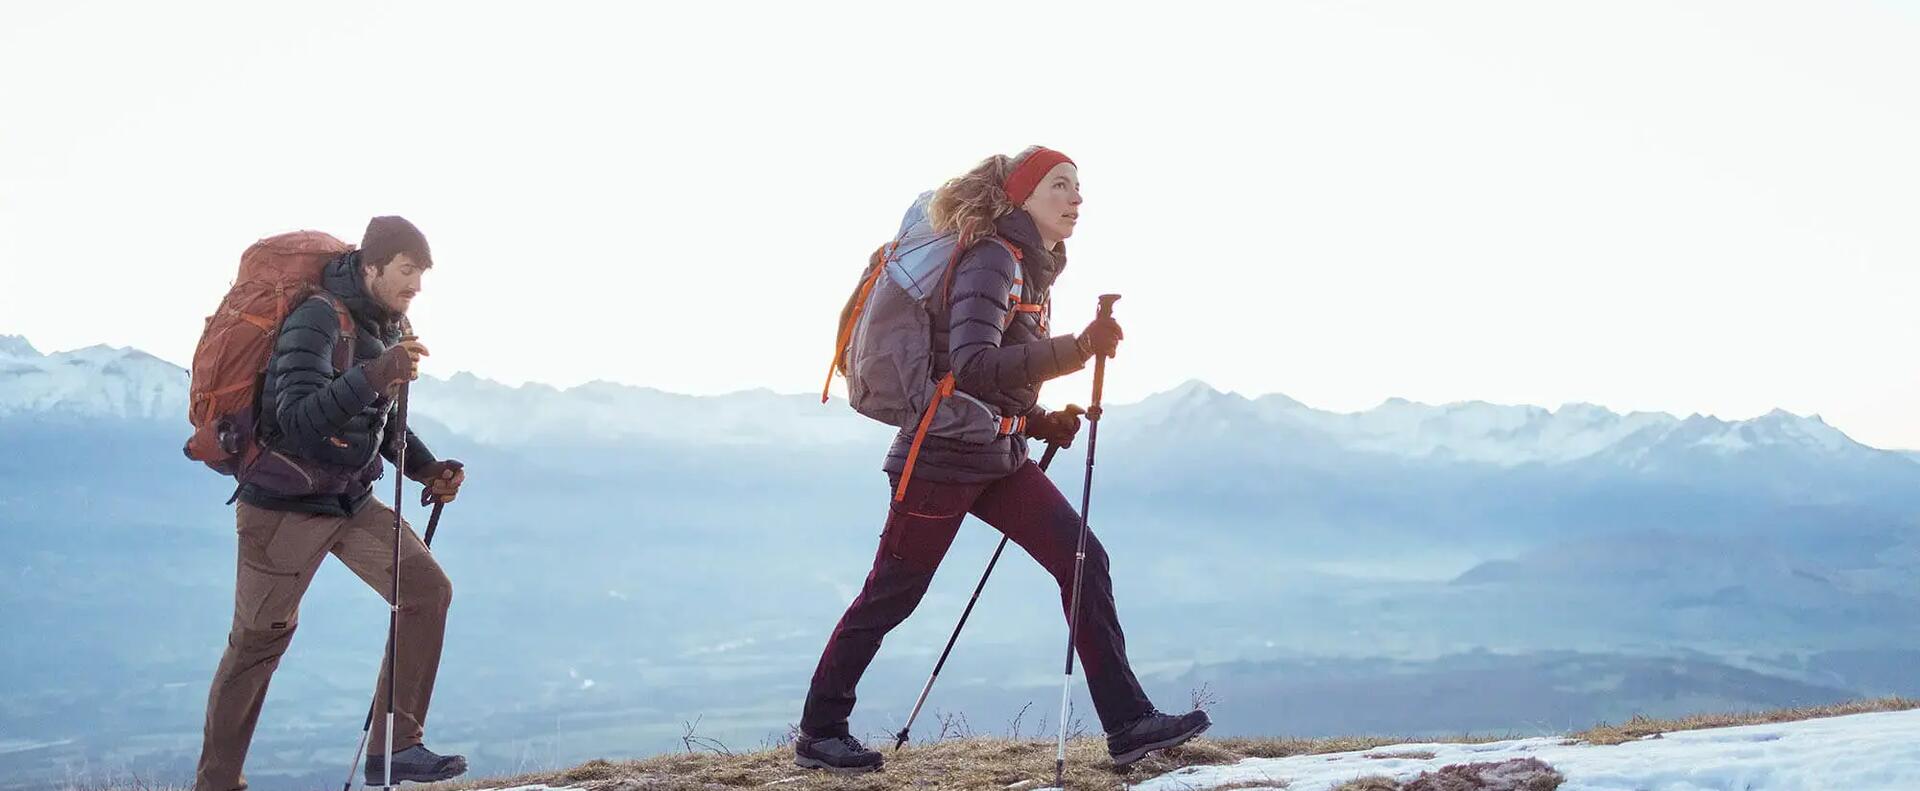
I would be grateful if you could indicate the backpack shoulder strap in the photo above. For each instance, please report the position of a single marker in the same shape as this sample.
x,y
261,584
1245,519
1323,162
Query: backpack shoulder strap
x,y
946,283
342,348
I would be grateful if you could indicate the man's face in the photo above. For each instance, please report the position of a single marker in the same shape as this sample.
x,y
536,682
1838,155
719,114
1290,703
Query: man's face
x,y
395,286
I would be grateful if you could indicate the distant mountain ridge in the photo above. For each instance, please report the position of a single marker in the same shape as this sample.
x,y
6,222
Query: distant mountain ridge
x,y
101,381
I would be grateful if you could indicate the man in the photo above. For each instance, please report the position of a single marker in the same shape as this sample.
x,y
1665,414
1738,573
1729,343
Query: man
x,y
324,433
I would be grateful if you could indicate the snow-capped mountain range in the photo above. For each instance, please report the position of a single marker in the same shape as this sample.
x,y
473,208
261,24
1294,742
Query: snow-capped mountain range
x,y
1477,431
97,381
102,381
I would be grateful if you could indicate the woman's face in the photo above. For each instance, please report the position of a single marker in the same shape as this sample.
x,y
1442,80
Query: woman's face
x,y
1055,204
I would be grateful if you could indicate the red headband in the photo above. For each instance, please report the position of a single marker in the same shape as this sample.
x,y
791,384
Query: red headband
x,y
1028,172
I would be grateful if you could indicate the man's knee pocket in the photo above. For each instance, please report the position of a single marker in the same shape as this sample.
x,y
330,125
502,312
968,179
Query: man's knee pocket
x,y
267,601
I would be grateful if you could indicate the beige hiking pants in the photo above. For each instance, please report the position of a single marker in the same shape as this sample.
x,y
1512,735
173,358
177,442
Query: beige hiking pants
x,y
279,553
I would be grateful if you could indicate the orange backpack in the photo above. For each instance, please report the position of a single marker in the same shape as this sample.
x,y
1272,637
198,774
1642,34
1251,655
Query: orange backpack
x,y
230,363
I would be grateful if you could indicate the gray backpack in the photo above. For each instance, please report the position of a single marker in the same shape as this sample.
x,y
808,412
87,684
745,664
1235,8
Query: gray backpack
x,y
886,336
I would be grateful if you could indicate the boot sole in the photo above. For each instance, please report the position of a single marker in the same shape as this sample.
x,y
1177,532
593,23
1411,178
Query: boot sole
x,y
1130,757
815,763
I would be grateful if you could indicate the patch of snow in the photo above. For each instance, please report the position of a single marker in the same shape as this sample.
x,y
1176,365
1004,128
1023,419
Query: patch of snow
x,y
1731,440
1861,752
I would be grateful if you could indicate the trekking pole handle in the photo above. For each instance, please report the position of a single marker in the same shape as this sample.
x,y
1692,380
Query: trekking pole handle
x,y
426,491
1100,362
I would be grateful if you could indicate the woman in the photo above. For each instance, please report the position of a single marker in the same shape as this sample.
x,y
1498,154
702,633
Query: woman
x,y
999,353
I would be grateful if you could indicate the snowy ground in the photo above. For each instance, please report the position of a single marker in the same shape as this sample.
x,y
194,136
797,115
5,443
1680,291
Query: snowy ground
x,y
1861,752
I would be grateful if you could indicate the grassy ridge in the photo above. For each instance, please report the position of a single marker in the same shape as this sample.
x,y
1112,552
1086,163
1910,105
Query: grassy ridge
x,y
1010,764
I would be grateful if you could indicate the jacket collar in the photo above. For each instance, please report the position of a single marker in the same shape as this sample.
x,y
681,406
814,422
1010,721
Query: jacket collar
x,y
1041,266
344,279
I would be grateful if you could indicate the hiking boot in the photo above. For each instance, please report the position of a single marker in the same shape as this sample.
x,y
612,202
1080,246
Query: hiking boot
x,y
843,754
416,764
1155,731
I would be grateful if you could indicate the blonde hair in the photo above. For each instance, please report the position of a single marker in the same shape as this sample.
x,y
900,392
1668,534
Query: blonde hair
x,y
967,206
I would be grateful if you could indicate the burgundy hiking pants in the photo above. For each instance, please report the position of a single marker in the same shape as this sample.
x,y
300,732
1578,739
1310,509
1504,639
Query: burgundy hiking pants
x,y
1030,511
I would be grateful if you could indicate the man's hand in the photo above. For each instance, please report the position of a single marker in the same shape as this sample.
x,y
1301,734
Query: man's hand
x,y
442,479
399,364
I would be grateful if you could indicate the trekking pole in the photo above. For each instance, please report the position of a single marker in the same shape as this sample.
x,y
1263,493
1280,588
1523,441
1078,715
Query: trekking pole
x,y
393,609
1080,554
900,739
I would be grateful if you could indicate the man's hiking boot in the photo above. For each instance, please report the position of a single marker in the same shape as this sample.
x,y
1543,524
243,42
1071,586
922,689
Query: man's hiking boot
x,y
1155,731
416,764
843,754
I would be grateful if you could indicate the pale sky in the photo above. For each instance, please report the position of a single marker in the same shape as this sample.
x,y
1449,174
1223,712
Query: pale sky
x,y
1683,207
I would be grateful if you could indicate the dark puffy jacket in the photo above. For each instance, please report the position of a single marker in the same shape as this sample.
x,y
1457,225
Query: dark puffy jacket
x,y
333,424
1002,368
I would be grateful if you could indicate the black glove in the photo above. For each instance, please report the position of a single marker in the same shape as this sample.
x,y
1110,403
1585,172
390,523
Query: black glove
x,y
442,479
1058,428
1102,337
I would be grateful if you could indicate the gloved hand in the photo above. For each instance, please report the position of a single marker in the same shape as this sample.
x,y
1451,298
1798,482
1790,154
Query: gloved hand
x,y
442,479
1058,428
1102,337
399,364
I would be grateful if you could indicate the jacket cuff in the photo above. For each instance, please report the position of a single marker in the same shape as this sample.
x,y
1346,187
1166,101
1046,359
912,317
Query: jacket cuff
x,y
1067,348
417,465
363,389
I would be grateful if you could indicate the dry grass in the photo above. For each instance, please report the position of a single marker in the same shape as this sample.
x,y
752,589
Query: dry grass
x,y
978,762
1283,748
972,763
1641,727
1519,774
132,784
1369,783
1516,774
1415,755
